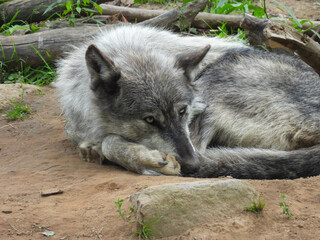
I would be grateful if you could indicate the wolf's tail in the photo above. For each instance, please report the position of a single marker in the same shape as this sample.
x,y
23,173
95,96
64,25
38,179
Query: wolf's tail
x,y
259,163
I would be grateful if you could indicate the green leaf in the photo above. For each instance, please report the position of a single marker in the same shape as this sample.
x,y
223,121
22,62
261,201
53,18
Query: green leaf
x,y
88,10
98,8
221,3
78,9
317,34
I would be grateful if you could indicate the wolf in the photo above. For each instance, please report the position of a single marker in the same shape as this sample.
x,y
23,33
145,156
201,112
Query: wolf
x,y
155,102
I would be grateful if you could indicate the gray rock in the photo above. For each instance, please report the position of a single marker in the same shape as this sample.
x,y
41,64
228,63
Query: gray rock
x,y
175,208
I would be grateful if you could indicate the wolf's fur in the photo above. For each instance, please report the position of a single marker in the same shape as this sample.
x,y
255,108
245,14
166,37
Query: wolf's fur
x,y
206,104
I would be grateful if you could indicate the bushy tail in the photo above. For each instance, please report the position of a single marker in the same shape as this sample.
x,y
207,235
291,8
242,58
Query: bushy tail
x,y
259,163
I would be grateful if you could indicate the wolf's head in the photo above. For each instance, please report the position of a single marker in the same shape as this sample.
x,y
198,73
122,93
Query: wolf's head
x,y
148,98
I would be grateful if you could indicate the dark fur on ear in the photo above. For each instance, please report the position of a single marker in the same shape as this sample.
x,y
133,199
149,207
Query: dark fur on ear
x,y
104,75
188,60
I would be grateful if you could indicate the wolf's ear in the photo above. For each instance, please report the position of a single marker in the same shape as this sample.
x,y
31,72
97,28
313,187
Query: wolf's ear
x,y
104,75
188,60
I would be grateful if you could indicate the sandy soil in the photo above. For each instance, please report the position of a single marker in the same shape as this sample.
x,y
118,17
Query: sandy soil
x,y
302,9
35,156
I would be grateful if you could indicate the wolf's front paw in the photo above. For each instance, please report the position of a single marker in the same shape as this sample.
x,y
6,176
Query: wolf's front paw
x,y
158,162
91,152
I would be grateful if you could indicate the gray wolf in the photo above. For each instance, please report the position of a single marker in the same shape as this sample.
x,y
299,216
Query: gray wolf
x,y
158,103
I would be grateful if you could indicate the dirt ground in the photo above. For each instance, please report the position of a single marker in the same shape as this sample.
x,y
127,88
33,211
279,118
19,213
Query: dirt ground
x,y
35,156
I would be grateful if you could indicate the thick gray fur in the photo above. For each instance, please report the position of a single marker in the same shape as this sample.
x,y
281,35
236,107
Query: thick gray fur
x,y
220,108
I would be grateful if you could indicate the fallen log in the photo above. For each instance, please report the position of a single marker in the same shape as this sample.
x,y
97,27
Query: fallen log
x,y
275,35
181,19
30,10
31,48
202,19
54,42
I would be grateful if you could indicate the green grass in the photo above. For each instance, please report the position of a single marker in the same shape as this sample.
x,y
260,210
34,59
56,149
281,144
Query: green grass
x,y
257,205
39,76
146,231
75,9
21,73
18,109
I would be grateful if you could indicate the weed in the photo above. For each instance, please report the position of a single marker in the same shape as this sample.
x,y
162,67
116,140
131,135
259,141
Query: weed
x,y
122,213
38,92
74,9
285,206
145,231
257,205
18,110
119,205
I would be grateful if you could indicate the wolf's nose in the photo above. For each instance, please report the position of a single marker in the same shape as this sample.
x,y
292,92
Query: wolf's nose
x,y
190,167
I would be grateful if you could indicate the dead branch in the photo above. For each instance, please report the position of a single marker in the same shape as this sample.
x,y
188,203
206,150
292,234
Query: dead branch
x,y
276,34
202,20
177,17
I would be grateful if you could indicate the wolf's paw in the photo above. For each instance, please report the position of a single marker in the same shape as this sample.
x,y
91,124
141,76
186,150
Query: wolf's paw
x,y
159,163
91,152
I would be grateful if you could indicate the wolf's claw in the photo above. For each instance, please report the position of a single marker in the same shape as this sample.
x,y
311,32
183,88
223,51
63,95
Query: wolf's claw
x,y
91,152
162,163
169,166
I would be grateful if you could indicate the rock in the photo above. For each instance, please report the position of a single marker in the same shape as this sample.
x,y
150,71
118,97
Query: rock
x,y
175,208
50,192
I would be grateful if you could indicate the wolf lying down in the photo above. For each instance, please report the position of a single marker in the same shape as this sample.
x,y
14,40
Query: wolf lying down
x,y
216,107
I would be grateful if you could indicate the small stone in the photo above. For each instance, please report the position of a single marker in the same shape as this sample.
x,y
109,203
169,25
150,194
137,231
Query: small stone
x,y
7,211
50,192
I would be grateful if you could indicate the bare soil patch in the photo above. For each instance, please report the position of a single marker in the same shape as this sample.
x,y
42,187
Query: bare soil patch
x,y
36,157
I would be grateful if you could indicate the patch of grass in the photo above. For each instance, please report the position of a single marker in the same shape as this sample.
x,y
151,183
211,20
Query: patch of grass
x,y
234,6
38,92
75,9
257,205
39,76
298,24
145,231
18,110
285,206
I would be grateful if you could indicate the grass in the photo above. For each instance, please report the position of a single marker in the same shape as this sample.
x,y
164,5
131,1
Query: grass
x,y
39,76
145,231
257,205
75,9
42,75
18,109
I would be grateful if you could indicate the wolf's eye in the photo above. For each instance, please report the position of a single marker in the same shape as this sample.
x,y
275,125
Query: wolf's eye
x,y
149,120
182,111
